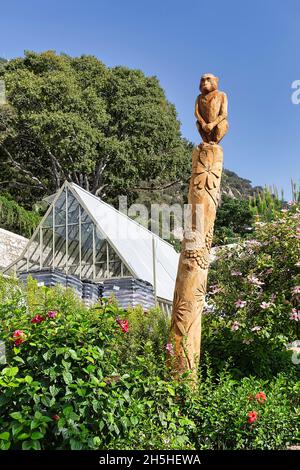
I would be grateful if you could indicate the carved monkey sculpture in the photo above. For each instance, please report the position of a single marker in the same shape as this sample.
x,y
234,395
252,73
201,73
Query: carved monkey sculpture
x,y
211,110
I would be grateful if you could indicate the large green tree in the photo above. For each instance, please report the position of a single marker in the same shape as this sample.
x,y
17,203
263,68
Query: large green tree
x,y
111,130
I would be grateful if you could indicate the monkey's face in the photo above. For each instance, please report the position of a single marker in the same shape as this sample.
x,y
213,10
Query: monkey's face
x,y
208,83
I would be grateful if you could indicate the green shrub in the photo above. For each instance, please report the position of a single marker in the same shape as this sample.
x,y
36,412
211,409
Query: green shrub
x,y
75,378
15,218
253,299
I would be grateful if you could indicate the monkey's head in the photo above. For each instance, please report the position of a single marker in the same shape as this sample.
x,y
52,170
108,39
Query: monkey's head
x,y
208,83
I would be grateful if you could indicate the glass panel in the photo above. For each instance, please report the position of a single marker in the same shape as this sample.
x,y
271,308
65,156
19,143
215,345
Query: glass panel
x,y
101,270
87,271
48,222
101,252
60,247
112,254
73,209
126,271
115,268
60,209
85,218
47,251
73,245
87,243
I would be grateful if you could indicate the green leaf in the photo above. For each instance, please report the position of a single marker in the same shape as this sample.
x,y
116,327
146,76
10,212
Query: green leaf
x,y
73,354
5,445
36,445
4,436
36,435
96,441
67,377
26,445
171,391
75,445
23,436
28,379
10,371
101,425
67,411
19,359
16,415
134,420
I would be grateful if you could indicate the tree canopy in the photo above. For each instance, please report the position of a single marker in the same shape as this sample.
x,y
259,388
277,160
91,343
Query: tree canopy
x,y
111,130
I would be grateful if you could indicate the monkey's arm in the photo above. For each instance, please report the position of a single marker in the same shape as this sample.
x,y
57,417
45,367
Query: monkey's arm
x,y
198,115
223,111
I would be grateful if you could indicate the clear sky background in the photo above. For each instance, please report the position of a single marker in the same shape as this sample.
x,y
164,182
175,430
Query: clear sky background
x,y
253,46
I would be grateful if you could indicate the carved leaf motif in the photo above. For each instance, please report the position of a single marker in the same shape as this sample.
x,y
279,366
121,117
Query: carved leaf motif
x,y
200,294
180,313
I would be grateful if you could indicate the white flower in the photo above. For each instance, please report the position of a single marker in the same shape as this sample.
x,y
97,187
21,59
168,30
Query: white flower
x,y
236,273
256,328
295,315
255,281
265,305
247,341
240,303
235,326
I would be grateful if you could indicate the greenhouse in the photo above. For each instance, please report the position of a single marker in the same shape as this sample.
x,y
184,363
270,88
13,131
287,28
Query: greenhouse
x,y
82,239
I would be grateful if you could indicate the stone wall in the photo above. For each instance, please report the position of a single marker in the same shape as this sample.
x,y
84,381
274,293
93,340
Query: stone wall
x,y
11,247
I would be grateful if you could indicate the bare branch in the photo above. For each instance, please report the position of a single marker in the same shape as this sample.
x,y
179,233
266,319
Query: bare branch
x,y
157,188
18,166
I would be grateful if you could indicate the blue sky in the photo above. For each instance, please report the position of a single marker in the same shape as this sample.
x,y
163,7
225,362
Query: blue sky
x,y
253,46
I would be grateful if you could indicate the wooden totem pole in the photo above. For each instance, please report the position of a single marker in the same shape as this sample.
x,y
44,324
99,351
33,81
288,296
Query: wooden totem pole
x,y
204,192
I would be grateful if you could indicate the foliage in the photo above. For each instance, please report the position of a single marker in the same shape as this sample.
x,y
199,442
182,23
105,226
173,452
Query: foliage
x,y
266,204
234,220
75,378
3,63
15,218
254,297
107,129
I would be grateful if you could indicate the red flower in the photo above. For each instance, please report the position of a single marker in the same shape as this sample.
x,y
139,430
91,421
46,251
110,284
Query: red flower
x,y
19,337
56,417
261,397
252,416
18,334
37,319
123,324
52,314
